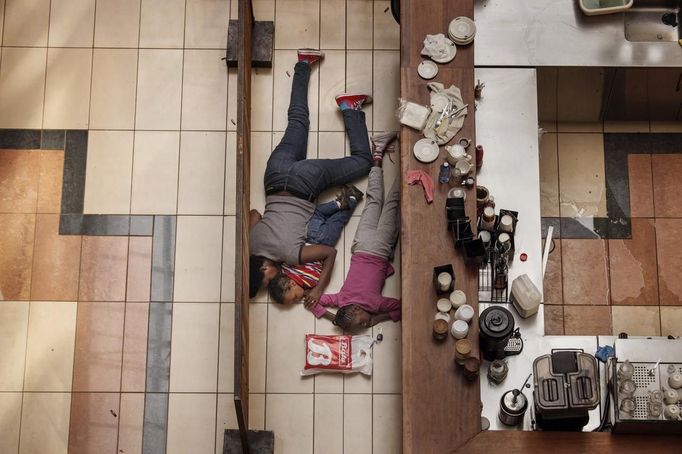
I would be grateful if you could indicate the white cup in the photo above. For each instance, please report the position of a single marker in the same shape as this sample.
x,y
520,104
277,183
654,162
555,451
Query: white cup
x,y
506,223
672,412
675,381
459,329
442,316
458,298
670,396
443,305
464,166
464,313
455,152
444,282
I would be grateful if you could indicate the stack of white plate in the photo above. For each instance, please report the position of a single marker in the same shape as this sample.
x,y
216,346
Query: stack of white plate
x,y
462,30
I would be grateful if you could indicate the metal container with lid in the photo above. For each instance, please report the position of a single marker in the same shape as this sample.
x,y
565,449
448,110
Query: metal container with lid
x,y
496,326
513,405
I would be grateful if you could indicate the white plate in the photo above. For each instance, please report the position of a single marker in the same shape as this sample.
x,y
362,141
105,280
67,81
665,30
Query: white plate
x,y
464,43
439,101
462,29
427,69
425,150
452,51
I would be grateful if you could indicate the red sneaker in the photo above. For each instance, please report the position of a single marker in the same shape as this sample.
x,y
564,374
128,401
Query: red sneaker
x,y
352,100
310,56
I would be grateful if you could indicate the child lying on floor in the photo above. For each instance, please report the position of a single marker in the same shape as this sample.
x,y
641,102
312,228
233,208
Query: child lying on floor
x,y
325,227
360,302
292,283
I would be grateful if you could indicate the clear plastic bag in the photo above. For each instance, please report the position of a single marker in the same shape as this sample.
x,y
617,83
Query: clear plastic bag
x,y
338,354
412,114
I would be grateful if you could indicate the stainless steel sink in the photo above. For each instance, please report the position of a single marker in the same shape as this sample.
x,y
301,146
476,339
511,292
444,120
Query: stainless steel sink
x,y
653,21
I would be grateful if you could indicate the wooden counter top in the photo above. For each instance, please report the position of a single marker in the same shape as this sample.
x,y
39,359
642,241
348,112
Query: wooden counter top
x,y
441,410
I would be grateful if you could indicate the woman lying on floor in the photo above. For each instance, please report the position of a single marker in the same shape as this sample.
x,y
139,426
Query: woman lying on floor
x,y
360,302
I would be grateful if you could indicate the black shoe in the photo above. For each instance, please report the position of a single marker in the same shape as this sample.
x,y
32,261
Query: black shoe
x,y
354,192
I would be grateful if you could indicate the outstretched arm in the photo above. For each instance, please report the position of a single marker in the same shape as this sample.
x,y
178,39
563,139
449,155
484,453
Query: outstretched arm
x,y
325,254
318,309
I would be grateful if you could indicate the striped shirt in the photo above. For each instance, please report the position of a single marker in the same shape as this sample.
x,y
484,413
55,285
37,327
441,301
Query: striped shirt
x,y
306,275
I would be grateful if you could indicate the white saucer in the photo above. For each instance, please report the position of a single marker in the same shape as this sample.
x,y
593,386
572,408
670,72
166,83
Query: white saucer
x,y
427,69
425,150
462,30
439,101
452,51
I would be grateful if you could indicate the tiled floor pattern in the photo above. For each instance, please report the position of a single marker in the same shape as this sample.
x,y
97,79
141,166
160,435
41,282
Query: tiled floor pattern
x,y
79,368
604,286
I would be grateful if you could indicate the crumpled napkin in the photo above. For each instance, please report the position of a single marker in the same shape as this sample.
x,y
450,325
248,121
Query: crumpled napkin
x,y
442,128
422,178
436,46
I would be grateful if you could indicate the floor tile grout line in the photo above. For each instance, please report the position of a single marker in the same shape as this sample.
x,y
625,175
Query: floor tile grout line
x,y
23,377
658,280
47,60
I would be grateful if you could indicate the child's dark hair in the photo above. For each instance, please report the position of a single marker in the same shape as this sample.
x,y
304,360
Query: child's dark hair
x,y
278,287
344,317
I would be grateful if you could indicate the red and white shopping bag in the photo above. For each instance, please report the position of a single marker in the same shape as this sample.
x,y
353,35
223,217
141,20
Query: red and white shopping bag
x,y
344,354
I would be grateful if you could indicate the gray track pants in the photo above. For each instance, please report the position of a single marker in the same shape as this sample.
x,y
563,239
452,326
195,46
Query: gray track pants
x,y
379,225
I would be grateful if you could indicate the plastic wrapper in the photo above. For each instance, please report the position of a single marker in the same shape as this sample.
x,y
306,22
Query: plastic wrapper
x,y
412,114
338,354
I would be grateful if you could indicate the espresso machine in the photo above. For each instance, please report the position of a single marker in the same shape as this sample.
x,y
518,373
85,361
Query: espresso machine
x,y
566,388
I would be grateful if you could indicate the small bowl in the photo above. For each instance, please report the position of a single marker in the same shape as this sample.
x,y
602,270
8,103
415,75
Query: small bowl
x,y
427,69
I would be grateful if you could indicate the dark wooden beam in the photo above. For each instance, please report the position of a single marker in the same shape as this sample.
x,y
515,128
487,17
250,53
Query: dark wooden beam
x,y
241,316
525,442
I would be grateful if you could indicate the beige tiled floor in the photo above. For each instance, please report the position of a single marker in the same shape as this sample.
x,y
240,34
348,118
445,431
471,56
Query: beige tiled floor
x,y
146,78
597,286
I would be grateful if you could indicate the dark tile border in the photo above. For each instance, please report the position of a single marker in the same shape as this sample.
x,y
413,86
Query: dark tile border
x,y
162,230
20,139
73,185
155,425
618,225
52,139
159,347
163,258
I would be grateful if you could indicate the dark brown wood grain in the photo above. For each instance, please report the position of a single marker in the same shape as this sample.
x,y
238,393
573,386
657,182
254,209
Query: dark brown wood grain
x,y
243,170
441,410
514,442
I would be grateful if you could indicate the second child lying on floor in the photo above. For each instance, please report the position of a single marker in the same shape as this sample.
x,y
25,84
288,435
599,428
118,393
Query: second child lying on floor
x,y
360,302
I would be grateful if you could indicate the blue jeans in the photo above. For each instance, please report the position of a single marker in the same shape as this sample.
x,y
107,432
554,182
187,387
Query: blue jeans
x,y
289,170
327,223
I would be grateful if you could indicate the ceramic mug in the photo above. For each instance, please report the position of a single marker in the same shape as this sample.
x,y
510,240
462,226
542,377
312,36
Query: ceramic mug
x,y
455,153
459,329
670,396
672,412
445,316
675,381
444,282
464,166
